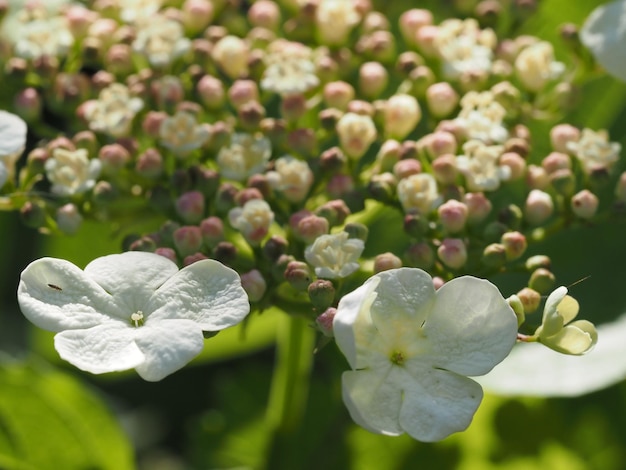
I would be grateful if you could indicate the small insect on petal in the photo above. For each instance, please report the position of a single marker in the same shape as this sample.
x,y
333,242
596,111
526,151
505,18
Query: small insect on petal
x,y
55,287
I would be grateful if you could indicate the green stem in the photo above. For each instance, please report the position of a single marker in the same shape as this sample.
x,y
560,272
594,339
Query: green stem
x,y
289,389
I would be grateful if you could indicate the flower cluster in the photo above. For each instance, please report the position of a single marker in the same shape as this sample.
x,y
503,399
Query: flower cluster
x,y
296,159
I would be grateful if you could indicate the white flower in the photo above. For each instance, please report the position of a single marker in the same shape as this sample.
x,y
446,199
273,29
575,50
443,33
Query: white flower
x,y
131,310
464,47
292,177
246,155
335,255
113,111
289,68
334,20
594,151
481,117
535,66
36,34
182,134
418,192
231,54
356,133
71,171
253,220
411,347
604,33
161,40
12,142
559,332
479,164
132,11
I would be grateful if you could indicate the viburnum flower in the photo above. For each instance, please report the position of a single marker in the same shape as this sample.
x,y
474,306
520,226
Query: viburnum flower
x,y
479,164
161,40
246,155
181,133
334,255
290,69
292,177
113,111
481,117
131,310
594,150
411,349
559,332
71,171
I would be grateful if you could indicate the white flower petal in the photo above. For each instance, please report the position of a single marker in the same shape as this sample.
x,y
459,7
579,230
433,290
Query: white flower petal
x,y
131,277
604,33
404,299
437,403
168,346
471,327
4,174
13,132
206,292
56,295
373,399
104,348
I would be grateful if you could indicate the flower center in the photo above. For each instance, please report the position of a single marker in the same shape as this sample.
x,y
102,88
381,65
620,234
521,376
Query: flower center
x,y
397,358
137,318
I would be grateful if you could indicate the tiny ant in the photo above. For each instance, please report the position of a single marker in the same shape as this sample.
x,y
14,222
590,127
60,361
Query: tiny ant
x,y
52,286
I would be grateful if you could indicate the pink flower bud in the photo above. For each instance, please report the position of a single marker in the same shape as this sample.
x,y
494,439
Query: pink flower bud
x,y
322,294
438,282
324,322
339,185
386,261
561,135
373,79
149,163
478,207
197,14
585,204
242,92
556,161
516,164
192,258
254,284
420,255
211,92
407,167
264,14
168,253
338,94
190,207
537,177
444,169
411,21
438,143
441,99
311,227
538,207
187,240
452,253
68,219
212,229
425,40
453,215
298,275
113,157
28,104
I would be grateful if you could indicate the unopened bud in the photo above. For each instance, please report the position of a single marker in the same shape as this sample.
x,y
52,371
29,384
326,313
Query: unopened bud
x,y
298,275
275,247
322,294
254,284
335,211
411,21
168,253
563,181
194,257
338,94
538,207
356,230
386,261
68,219
402,113
420,255
494,255
373,79
225,252
310,227
542,281
149,163
212,229
515,245
585,204
33,214
452,253
188,240
516,164
478,207
518,308
441,99
537,261
453,215
561,135
530,299
324,322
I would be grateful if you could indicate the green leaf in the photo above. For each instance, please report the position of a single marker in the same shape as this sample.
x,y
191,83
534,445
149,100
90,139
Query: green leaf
x,y
50,420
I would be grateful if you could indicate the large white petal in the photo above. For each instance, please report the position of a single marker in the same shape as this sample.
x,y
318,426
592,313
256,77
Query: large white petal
x,y
105,348
534,370
404,298
56,295
604,33
373,399
131,277
471,327
168,345
12,134
355,334
206,292
437,403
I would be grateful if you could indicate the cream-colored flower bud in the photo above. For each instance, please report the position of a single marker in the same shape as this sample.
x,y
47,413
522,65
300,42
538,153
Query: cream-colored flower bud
x,y
231,54
373,79
537,177
585,204
538,207
338,94
334,20
356,134
411,21
418,192
452,253
441,99
402,113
